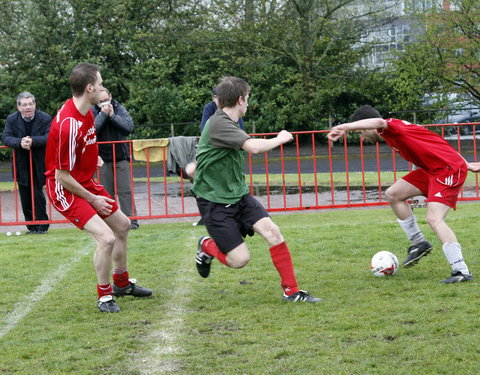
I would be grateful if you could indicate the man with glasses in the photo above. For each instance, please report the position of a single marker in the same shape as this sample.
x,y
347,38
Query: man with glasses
x,y
26,132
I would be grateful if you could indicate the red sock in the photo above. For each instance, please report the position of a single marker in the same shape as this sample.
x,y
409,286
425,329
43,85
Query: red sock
x,y
210,247
120,278
104,290
282,261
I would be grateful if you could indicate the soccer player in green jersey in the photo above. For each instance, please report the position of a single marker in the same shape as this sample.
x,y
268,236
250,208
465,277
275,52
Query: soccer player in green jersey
x,y
228,211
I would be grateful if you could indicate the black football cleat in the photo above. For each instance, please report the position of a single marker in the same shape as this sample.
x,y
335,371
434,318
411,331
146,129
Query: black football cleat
x,y
132,289
457,277
415,252
301,296
107,304
203,260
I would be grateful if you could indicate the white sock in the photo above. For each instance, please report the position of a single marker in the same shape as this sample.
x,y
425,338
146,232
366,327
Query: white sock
x,y
412,230
453,253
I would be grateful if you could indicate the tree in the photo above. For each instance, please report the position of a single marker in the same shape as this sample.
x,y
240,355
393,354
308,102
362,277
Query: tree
x,y
454,36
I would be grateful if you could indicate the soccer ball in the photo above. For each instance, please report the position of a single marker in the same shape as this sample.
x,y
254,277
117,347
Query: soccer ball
x,y
384,263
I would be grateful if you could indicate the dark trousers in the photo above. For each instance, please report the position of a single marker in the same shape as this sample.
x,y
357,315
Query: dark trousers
x,y
124,190
40,206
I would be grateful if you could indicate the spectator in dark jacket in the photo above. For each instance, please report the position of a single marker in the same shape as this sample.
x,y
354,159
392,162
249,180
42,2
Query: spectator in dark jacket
x,y
113,123
26,132
210,109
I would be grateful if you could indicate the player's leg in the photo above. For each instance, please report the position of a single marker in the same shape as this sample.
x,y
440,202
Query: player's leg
x,y
123,285
105,240
225,242
282,260
102,259
397,196
415,183
119,223
437,212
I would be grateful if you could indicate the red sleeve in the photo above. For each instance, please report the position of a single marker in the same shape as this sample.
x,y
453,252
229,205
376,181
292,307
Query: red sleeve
x,y
67,144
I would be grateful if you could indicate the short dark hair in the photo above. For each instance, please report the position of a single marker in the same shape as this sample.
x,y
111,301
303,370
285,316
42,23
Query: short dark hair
x,y
365,112
82,75
230,89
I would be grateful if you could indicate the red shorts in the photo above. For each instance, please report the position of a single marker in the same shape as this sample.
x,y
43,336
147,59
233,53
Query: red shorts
x,y
76,209
443,187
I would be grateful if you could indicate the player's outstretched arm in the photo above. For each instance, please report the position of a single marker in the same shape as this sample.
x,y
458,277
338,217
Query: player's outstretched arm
x,y
367,124
256,146
473,167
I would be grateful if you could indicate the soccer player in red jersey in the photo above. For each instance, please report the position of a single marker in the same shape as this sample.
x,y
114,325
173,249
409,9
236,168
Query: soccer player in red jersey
x,y
71,161
440,175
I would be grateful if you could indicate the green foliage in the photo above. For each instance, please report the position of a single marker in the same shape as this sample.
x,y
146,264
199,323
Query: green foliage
x,y
161,59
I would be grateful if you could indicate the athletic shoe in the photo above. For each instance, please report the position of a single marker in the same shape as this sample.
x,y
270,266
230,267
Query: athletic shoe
x,y
457,277
301,296
131,289
107,304
415,252
203,260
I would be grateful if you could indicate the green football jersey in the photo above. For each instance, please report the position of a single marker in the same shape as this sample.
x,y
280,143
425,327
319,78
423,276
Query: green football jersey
x,y
220,159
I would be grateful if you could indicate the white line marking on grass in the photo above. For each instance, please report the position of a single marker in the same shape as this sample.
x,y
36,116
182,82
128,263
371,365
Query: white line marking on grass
x,y
23,308
159,360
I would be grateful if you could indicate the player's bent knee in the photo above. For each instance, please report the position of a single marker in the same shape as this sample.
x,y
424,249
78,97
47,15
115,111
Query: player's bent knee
x,y
271,232
106,241
433,221
237,260
238,263
390,195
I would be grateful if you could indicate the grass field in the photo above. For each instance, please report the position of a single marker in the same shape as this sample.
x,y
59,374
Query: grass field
x,y
235,322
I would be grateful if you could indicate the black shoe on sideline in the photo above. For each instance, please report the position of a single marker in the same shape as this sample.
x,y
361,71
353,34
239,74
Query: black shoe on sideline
x,y
134,225
415,252
131,289
36,232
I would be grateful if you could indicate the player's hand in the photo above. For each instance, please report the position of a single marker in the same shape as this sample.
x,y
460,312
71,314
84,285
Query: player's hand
x,y
474,167
99,162
103,205
284,137
191,168
336,132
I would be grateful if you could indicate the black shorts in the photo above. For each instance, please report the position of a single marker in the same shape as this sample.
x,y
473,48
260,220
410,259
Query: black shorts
x,y
229,224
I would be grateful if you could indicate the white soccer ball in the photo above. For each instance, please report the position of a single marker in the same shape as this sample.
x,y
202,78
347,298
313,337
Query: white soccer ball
x,y
384,263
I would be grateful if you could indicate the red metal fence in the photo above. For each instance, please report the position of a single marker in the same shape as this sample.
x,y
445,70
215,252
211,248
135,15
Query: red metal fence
x,y
307,174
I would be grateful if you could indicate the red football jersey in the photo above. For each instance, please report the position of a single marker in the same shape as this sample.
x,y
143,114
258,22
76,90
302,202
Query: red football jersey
x,y
421,146
72,144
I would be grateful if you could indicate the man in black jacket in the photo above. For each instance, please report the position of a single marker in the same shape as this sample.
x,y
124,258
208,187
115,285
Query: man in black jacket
x,y
26,132
113,123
